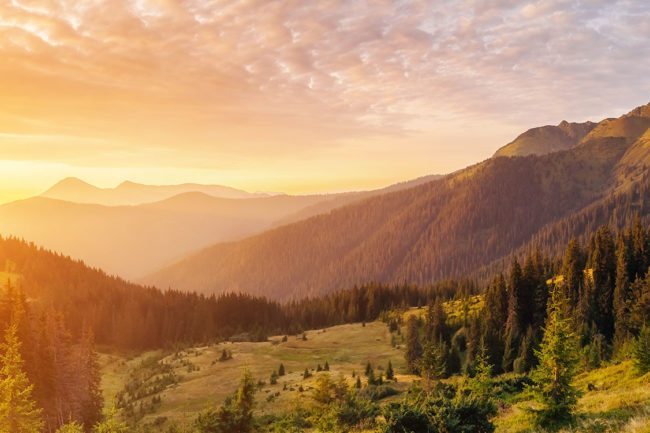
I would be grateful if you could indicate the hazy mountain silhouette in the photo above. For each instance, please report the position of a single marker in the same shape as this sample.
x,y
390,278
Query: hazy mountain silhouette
x,y
130,193
442,228
134,240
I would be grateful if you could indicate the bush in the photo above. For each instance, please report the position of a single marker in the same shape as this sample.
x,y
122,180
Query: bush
x,y
377,392
462,414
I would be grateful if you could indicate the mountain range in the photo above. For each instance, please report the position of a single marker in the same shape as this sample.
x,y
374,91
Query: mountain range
x,y
130,193
132,240
554,183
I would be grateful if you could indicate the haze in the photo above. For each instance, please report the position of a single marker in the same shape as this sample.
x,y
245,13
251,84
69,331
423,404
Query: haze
x,y
298,96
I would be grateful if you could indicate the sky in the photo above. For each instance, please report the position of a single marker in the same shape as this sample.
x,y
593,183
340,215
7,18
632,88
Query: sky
x,y
299,96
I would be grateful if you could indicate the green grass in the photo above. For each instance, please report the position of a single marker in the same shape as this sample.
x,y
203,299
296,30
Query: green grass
x,y
619,403
346,348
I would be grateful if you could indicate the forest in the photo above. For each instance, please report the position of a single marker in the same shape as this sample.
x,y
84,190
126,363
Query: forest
x,y
584,309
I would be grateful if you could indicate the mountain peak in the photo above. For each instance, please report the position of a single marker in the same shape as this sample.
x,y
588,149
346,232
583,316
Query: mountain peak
x,y
69,184
640,111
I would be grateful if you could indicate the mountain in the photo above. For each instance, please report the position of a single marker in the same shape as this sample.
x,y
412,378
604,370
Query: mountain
x,y
547,139
564,136
132,241
135,240
129,193
442,228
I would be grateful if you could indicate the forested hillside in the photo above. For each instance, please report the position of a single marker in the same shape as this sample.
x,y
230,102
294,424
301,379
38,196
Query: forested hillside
x,y
445,228
127,316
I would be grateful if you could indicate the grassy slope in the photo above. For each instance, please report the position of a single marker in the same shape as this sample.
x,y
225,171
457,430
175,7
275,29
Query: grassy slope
x,y
347,348
620,403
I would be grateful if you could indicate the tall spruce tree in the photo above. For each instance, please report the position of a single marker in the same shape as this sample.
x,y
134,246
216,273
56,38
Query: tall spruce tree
x,y
558,357
18,410
413,344
603,264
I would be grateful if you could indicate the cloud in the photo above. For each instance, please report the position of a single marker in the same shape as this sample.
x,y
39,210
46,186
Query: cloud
x,y
286,77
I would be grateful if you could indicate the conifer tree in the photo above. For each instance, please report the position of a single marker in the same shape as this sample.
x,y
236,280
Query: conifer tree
x,y
390,374
558,359
642,351
432,364
89,381
18,411
413,345
603,264
573,271
281,371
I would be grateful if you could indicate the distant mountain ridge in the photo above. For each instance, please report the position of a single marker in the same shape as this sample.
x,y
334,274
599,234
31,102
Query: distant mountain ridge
x,y
548,139
137,239
444,228
130,193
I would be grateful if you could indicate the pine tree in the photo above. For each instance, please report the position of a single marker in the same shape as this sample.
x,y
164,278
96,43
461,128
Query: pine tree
x,y
624,262
558,359
89,381
18,411
326,367
390,374
432,364
573,271
481,383
642,351
603,263
281,371
413,345
368,369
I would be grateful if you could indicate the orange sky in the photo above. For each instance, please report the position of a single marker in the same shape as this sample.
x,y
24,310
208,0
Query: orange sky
x,y
298,96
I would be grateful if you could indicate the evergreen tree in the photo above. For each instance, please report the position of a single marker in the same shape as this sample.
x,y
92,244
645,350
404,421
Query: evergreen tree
x,y
624,263
413,345
281,371
89,381
390,374
558,359
481,384
603,264
573,271
642,351
326,367
432,364
18,411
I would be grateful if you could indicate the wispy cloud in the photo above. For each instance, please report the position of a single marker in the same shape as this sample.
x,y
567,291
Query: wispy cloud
x,y
261,77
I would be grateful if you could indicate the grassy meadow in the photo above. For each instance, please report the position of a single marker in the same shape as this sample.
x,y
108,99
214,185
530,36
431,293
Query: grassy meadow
x,y
614,398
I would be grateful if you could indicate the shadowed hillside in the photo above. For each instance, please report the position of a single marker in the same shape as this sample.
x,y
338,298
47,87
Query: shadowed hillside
x,y
440,229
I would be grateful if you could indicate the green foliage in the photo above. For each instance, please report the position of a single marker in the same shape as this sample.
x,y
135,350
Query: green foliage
x,y
111,425
18,411
558,360
236,413
413,345
464,413
73,427
432,364
642,351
